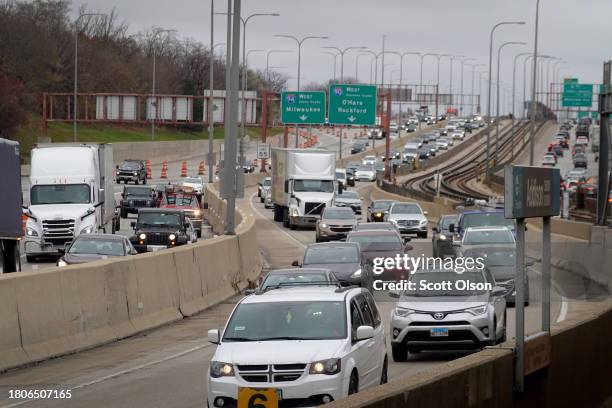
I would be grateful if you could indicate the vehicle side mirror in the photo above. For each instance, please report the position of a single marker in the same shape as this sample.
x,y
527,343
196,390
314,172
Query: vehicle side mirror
x,y
435,229
205,206
295,263
133,224
451,228
249,292
499,291
364,333
213,336
408,247
425,212
286,186
186,225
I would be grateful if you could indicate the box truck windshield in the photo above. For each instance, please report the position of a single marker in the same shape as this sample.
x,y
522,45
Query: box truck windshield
x,y
313,186
60,194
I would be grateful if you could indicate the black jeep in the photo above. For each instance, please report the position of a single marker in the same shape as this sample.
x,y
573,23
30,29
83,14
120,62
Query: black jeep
x,y
134,198
159,228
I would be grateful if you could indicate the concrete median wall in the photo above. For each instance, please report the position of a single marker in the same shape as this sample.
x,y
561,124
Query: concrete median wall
x,y
163,150
578,376
52,312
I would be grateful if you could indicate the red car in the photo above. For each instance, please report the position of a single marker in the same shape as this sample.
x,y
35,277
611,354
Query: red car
x,y
186,201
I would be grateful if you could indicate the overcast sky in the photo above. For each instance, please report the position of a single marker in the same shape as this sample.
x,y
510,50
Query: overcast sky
x,y
578,31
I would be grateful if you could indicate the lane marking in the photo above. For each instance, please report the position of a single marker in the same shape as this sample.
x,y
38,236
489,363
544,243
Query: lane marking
x,y
273,222
564,301
118,373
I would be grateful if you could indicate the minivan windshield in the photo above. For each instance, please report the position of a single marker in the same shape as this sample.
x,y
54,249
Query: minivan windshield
x,y
96,246
271,321
60,194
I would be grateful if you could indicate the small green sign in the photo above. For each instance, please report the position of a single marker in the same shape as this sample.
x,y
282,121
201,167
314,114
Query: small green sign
x,y
577,95
586,114
303,107
352,104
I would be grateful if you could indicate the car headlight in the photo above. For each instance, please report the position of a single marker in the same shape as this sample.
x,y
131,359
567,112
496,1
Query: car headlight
x,y
117,172
422,222
356,274
87,230
61,262
142,236
378,214
172,237
442,237
220,369
478,310
323,225
403,311
31,232
135,173
197,213
329,367
293,212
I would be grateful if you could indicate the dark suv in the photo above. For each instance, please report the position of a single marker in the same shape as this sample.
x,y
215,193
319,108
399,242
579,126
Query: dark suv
x,y
158,228
134,198
131,170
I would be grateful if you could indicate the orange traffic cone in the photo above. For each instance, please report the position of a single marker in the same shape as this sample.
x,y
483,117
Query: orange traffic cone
x,y
184,169
148,167
201,168
164,170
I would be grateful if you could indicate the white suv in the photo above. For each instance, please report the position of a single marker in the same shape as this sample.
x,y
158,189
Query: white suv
x,y
312,344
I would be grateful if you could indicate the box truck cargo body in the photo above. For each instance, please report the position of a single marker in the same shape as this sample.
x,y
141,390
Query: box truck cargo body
x,y
10,206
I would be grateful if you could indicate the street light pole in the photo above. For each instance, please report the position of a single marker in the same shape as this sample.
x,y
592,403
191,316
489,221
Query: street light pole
x,y
268,60
357,65
76,71
489,88
450,86
463,60
153,98
211,87
516,57
474,66
333,54
497,94
532,118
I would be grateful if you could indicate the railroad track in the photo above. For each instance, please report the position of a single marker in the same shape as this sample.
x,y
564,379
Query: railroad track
x,y
458,174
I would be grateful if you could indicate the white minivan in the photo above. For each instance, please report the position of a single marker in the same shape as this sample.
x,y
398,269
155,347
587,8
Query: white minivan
x,y
311,344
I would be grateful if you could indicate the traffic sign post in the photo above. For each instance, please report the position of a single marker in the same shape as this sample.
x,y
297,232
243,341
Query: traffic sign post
x,y
303,108
531,192
263,151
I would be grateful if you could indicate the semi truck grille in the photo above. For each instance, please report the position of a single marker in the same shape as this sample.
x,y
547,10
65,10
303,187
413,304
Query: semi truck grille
x,y
58,232
313,208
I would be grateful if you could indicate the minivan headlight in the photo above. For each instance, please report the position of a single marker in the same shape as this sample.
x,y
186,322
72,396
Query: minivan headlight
x,y
329,367
478,310
220,369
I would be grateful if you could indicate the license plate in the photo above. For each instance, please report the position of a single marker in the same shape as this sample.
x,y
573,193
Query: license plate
x,y
439,332
264,397
153,248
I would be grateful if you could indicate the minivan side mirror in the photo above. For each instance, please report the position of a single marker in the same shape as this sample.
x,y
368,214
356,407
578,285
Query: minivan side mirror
x,y
213,336
451,228
364,333
295,263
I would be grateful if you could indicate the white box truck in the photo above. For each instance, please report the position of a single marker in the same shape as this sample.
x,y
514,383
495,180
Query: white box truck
x,y
303,184
71,193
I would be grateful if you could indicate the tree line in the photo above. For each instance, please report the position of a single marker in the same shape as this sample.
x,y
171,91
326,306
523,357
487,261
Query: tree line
x,y
37,55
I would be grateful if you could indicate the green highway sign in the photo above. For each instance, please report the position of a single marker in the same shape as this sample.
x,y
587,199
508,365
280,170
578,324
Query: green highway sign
x,y
570,80
577,95
303,107
352,104
586,114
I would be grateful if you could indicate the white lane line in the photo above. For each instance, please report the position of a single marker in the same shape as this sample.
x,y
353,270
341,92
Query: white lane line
x,y
273,223
564,302
117,374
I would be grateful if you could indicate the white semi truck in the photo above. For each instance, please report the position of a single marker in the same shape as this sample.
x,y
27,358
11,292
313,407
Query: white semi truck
x,y
71,193
303,184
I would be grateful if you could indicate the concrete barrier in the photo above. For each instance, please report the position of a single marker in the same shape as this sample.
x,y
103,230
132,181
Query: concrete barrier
x,y
578,375
56,311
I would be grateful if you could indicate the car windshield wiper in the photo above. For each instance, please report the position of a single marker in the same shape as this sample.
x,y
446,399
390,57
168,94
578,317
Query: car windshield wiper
x,y
281,338
238,339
